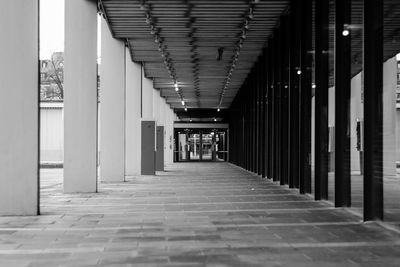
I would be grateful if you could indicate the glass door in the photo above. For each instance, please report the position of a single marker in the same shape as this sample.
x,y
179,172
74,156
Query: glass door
x,y
208,146
194,146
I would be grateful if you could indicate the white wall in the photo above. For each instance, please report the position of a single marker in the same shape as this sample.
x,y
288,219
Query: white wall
x,y
389,117
19,108
51,132
356,113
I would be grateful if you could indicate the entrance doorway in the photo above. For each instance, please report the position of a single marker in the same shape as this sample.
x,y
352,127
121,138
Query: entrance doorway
x,y
200,145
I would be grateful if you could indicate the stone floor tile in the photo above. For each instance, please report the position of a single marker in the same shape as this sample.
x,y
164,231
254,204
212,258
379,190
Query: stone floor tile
x,y
194,214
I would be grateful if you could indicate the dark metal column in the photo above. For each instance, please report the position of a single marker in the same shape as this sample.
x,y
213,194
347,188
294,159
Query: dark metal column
x,y
295,23
321,98
342,104
373,110
305,96
259,115
285,35
264,114
271,103
255,119
277,104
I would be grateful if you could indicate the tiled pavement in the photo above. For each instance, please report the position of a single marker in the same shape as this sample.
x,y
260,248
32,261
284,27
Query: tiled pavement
x,y
194,214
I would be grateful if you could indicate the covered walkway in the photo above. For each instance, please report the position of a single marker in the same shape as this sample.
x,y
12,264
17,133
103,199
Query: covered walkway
x,y
194,214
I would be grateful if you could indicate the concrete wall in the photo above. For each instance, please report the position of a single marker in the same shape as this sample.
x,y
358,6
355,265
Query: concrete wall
x,y
389,115
390,130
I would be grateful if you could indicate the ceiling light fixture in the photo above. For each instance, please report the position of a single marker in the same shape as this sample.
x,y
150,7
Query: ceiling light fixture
x,y
218,110
162,48
249,15
346,30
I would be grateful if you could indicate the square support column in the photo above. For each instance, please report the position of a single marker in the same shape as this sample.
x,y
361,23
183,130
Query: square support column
x,y
285,36
112,107
305,96
373,110
321,98
277,105
264,115
80,98
342,104
294,94
19,107
271,118
132,116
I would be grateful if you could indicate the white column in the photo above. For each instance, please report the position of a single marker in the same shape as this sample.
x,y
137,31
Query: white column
x,y
147,98
133,114
19,105
156,106
80,99
169,135
112,99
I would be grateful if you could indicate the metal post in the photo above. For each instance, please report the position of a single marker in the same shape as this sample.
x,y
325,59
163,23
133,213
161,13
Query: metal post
x,y
277,104
321,98
295,23
271,104
285,35
264,118
305,96
342,104
373,110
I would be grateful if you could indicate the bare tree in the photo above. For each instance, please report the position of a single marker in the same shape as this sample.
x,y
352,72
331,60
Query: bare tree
x,y
56,72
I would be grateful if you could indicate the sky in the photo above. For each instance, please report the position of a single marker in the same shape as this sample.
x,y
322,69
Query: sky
x,y
51,27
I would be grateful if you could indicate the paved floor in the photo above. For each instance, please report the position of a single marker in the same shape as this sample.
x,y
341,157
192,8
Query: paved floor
x,y
195,214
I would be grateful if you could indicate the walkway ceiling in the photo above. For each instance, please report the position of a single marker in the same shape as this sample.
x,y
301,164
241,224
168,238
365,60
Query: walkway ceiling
x,y
182,39
391,34
196,42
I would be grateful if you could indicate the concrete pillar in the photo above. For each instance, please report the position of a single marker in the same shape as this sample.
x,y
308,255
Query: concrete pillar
x,y
169,132
156,106
80,98
147,98
19,105
132,120
112,107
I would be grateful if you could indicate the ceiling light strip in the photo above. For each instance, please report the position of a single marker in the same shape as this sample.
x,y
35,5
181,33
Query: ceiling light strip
x,y
249,15
162,48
